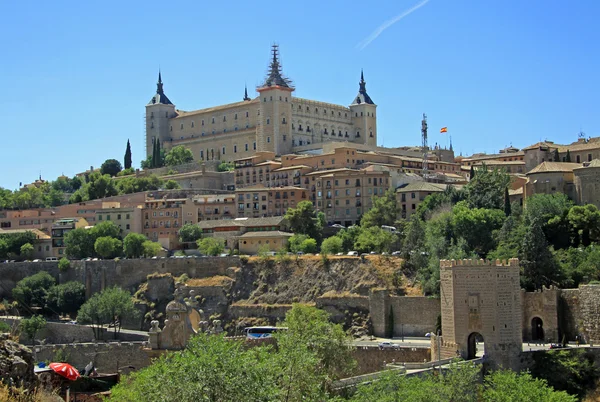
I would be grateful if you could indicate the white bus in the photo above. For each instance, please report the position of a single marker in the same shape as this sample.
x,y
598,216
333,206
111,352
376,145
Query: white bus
x,y
390,229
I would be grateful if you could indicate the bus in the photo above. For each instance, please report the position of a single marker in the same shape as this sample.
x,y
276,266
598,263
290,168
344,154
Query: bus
x,y
262,332
390,229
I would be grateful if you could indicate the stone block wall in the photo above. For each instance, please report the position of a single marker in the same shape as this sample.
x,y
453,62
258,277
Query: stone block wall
x,y
337,306
414,316
540,305
370,359
589,305
273,313
569,314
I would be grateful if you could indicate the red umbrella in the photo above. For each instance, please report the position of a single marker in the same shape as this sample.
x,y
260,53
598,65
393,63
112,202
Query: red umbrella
x,y
66,370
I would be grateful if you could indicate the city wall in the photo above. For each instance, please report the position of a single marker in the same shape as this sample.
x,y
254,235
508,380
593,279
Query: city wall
x,y
273,313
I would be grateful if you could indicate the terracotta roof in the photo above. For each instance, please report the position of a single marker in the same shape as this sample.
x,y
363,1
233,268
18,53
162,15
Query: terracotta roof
x,y
265,188
494,162
592,143
242,222
516,192
593,164
268,233
543,144
551,167
422,186
38,233
291,168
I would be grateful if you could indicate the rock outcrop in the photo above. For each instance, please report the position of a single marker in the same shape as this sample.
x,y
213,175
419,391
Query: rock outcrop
x,y
16,364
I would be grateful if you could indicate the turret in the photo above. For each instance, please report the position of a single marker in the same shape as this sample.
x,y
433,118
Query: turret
x,y
363,116
158,112
274,132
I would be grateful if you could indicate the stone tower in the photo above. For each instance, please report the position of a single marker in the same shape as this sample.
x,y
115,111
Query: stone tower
x,y
158,112
274,132
363,116
481,299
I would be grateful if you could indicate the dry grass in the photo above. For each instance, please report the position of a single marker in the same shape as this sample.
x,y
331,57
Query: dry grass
x,y
218,280
19,395
332,294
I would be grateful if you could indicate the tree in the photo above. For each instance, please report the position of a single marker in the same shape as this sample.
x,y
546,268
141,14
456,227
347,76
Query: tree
x,y
108,247
66,298
225,167
295,242
508,386
537,262
3,248
64,264
332,245
486,189
304,220
309,246
376,239
79,243
585,221
133,245
556,155
111,306
178,155
31,326
211,246
507,208
189,233
472,173
127,158
476,226
568,157
111,167
31,290
172,185
151,249
383,212
27,251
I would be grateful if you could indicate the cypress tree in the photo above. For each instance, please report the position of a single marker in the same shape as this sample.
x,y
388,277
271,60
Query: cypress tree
x,y
568,157
472,173
127,161
390,330
153,159
158,158
507,209
556,155
537,262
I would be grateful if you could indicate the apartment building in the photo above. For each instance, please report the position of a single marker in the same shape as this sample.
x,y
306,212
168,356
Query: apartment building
x,y
128,219
261,201
164,217
410,196
60,228
215,206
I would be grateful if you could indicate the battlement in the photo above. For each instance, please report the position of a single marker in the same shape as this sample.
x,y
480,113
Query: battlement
x,y
449,264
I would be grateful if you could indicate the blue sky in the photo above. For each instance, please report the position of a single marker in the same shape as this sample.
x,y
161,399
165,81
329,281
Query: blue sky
x,y
75,76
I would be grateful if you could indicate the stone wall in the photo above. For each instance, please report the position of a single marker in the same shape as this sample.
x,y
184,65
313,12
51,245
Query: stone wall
x,y
414,316
126,273
273,313
337,306
540,305
370,359
569,314
107,357
589,305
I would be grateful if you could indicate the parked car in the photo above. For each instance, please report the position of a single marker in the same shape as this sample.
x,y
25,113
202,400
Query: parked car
x,y
353,253
396,253
37,260
51,259
339,254
387,345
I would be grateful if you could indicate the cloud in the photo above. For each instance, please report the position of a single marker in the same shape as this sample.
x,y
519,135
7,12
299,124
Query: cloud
x,y
366,41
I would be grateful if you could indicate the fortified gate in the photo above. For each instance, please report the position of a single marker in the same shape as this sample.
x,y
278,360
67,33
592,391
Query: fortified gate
x,y
480,302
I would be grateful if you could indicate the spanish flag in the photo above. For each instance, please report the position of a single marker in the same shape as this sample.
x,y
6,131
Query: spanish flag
x,y
444,130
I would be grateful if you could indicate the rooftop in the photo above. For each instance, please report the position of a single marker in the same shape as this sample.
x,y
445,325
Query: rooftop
x,y
268,233
554,167
422,186
242,222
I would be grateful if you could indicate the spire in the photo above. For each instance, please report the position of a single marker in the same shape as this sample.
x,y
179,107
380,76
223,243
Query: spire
x,y
275,77
451,143
246,97
160,96
362,96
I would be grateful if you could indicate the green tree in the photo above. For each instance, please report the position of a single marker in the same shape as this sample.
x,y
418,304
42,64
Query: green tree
x,y
374,238
151,249
79,243
105,229
568,157
127,158
96,186
486,189
349,237
295,242
332,245
108,247
509,239
585,221
133,245
112,305
304,220
476,226
189,232
26,251
31,326
172,185
383,212
556,155
507,206
178,156
31,290
309,246
111,167
14,241
3,248
225,167
211,368
539,268
66,298
64,264
211,246
508,386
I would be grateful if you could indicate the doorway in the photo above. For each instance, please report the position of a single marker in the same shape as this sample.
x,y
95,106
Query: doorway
x,y
475,346
537,329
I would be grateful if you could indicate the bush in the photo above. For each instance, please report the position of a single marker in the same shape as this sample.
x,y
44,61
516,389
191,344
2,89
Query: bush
x,y
31,326
32,290
64,264
66,298
211,246
4,327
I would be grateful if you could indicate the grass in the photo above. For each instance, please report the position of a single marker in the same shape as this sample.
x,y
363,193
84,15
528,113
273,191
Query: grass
x,y
332,294
218,280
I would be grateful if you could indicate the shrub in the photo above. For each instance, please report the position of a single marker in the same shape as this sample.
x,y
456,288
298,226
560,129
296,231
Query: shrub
x,y
64,264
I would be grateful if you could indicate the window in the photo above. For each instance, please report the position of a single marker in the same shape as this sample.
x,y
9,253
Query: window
x,y
268,121
213,120
246,114
127,226
235,116
126,216
412,195
119,217
223,151
246,147
235,149
107,217
99,217
268,139
254,144
202,121
192,124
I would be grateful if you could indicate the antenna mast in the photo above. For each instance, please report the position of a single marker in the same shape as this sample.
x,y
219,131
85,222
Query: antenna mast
x,y
424,144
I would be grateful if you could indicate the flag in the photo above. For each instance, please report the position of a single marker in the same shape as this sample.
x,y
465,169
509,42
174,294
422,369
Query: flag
x,y
444,130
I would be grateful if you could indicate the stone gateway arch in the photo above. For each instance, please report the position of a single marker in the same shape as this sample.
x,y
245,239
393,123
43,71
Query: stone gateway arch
x,y
480,299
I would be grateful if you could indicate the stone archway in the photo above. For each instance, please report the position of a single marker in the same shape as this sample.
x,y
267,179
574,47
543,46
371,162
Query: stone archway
x,y
475,346
537,329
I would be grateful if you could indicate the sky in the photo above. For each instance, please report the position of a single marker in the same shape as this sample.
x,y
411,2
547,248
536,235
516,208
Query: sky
x,y
75,76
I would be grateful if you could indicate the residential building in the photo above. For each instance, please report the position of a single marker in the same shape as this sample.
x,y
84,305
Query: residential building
x,y
215,206
164,217
42,246
410,196
249,234
261,201
550,178
274,121
587,183
582,150
128,219
60,228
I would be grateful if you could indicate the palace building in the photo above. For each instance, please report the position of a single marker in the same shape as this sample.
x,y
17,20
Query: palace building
x,y
275,121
